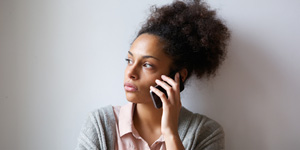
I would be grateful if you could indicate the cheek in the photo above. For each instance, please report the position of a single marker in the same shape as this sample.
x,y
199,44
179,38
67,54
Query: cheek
x,y
126,71
151,80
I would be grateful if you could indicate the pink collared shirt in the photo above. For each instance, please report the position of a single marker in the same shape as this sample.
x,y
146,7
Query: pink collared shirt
x,y
127,136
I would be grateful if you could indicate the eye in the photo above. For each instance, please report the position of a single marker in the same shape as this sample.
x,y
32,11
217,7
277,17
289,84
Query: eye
x,y
129,61
147,65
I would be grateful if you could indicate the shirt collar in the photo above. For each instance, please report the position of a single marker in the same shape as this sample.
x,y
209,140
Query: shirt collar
x,y
126,118
126,122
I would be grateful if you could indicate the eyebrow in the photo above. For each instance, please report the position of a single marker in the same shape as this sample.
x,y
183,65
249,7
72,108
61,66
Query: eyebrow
x,y
146,56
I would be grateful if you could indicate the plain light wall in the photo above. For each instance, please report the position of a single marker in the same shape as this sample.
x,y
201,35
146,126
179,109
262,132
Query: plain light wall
x,y
61,59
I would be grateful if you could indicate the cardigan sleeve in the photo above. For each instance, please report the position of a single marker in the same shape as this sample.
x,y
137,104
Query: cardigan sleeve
x,y
88,138
98,131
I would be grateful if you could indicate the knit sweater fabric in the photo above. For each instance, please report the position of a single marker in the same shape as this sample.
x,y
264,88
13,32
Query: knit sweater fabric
x,y
197,132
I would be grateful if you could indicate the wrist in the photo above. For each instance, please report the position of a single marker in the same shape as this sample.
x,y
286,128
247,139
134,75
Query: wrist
x,y
173,142
169,132
171,136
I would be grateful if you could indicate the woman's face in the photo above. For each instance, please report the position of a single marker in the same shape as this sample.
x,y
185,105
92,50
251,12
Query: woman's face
x,y
146,62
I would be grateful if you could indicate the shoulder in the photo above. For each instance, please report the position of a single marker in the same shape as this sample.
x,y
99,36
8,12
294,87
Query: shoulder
x,y
101,116
200,131
102,112
98,130
188,118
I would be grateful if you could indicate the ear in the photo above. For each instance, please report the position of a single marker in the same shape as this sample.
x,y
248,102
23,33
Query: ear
x,y
183,73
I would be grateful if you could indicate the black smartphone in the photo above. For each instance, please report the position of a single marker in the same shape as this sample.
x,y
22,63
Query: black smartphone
x,y
156,99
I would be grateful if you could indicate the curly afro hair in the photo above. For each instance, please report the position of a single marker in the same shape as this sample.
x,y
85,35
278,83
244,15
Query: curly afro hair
x,y
194,37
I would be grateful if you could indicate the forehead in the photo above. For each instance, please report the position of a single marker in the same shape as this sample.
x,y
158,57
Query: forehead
x,y
148,44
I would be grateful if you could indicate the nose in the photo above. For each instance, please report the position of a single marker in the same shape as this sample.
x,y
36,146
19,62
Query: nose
x,y
132,72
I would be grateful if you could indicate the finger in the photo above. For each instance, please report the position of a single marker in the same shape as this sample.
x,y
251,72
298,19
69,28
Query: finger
x,y
174,83
173,94
160,94
177,77
165,85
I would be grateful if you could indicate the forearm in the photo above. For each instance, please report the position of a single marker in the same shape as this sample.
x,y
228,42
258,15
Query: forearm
x,y
173,142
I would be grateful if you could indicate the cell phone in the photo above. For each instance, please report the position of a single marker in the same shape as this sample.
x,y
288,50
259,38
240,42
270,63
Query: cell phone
x,y
156,99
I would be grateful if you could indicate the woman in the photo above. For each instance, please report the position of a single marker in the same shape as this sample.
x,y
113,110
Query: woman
x,y
183,37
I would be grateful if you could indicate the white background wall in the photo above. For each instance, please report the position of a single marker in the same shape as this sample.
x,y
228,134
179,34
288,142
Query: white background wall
x,y
61,59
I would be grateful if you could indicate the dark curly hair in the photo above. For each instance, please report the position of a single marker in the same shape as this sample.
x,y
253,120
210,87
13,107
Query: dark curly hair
x,y
194,37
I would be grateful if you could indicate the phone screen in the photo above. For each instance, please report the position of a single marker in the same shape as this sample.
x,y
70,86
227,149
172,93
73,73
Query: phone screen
x,y
156,99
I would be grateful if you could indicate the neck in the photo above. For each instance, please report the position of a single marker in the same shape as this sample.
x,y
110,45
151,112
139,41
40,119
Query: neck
x,y
148,116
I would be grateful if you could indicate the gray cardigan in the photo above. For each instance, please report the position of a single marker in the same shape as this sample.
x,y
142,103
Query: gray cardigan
x,y
197,132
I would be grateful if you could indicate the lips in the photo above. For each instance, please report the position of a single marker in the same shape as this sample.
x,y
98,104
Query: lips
x,y
129,87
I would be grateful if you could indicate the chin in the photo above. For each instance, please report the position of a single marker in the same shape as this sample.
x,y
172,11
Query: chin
x,y
133,98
